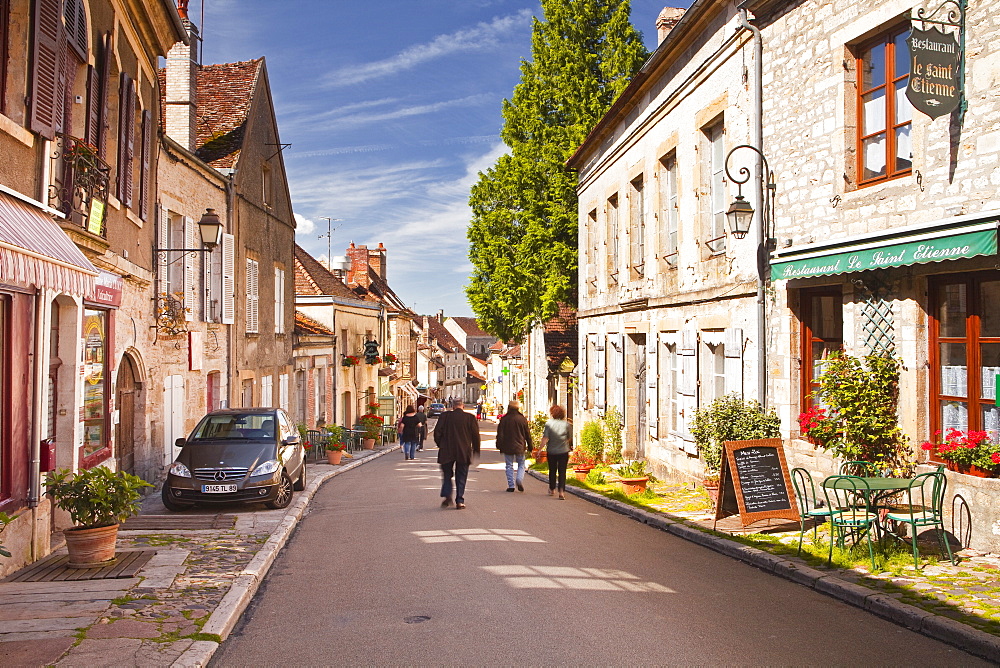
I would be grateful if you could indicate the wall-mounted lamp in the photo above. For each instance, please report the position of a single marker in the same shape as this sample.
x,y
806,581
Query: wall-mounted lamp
x,y
210,230
740,212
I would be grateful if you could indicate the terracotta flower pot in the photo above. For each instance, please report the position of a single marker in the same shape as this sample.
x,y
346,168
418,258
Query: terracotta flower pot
x,y
333,456
969,469
369,444
541,456
581,472
91,548
634,485
713,491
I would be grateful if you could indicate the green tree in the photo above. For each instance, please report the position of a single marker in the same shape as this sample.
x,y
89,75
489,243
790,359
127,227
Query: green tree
x,y
523,232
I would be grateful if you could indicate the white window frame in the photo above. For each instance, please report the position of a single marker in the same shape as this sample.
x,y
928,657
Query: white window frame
x,y
670,216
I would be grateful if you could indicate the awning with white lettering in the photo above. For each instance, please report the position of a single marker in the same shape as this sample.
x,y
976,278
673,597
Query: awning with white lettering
x,y
952,239
35,252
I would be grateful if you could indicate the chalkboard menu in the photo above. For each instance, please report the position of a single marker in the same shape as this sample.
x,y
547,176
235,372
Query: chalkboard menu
x,y
754,475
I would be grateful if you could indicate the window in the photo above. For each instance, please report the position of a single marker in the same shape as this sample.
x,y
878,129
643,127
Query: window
x,y
591,268
612,214
252,297
714,164
669,374
279,301
321,394
637,229
266,388
145,161
283,391
126,138
714,375
669,217
884,113
822,334
965,353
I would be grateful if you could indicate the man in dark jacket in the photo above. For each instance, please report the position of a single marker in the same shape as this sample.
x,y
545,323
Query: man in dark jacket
x,y
457,437
513,438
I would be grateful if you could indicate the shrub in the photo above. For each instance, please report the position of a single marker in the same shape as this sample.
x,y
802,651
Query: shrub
x,y
592,440
729,418
536,426
613,425
96,497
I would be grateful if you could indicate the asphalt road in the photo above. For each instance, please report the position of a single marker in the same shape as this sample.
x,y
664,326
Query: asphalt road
x,y
379,574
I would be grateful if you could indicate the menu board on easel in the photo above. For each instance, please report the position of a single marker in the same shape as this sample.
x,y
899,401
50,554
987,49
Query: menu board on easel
x,y
754,482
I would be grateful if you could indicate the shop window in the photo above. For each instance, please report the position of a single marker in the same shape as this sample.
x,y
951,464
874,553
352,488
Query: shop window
x,y
95,385
965,353
822,334
884,114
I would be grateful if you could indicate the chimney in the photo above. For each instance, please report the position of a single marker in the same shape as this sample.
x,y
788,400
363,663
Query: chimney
x,y
358,273
180,97
376,258
440,316
666,21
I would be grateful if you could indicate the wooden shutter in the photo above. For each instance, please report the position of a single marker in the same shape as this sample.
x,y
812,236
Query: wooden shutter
x,y
618,346
104,81
126,138
283,391
146,160
600,376
228,279
76,28
93,105
162,241
190,272
252,296
687,392
652,387
266,393
47,55
279,301
733,351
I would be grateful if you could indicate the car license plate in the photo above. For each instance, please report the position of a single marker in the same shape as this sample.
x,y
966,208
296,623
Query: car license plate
x,y
217,489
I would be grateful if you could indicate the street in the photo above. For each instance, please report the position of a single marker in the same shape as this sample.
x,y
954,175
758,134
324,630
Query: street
x,y
378,573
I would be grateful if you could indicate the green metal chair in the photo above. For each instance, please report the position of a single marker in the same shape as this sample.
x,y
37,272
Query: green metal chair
x,y
809,506
923,508
842,494
859,469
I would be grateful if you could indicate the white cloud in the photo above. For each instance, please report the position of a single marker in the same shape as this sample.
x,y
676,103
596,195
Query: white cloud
x,y
485,35
303,225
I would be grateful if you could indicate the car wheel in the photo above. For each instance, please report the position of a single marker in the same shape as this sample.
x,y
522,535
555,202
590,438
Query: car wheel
x,y
170,504
284,496
300,484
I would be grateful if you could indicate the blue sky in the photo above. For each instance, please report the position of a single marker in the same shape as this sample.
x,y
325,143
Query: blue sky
x,y
392,107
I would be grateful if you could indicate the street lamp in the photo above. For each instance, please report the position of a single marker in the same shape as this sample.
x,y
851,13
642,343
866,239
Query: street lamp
x,y
210,230
740,212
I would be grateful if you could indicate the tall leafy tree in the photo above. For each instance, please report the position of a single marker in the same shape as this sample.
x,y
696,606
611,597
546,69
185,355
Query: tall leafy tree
x,y
523,232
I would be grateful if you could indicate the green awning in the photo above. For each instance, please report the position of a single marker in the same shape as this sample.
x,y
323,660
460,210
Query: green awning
x,y
913,246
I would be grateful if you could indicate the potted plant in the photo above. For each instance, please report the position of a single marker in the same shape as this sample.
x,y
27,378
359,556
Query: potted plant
x,y
350,360
537,426
97,500
389,358
335,443
729,418
969,452
633,476
582,463
373,429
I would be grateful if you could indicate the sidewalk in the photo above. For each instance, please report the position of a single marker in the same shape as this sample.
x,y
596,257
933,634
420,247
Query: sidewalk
x,y
179,606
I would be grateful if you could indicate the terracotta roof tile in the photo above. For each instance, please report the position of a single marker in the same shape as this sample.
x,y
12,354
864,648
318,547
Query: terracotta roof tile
x,y
561,337
436,330
470,326
306,325
312,278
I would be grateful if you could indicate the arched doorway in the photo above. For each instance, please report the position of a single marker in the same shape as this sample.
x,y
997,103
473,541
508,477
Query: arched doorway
x,y
126,399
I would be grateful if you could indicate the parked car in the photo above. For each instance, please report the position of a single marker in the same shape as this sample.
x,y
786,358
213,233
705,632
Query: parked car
x,y
237,454
435,410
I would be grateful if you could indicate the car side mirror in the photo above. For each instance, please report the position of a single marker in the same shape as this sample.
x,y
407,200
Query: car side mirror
x,y
180,442
291,440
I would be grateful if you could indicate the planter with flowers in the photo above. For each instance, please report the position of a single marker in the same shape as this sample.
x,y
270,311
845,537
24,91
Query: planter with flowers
x,y
633,477
968,452
335,443
350,360
389,358
582,463
373,428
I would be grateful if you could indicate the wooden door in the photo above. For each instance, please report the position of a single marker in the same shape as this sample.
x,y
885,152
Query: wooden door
x,y
125,435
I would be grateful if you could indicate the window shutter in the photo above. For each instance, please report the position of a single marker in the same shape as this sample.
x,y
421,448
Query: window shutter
x,y
162,241
618,343
93,105
47,57
76,27
253,297
146,159
687,399
104,84
283,391
266,384
600,379
279,301
733,350
190,274
652,388
126,138
228,279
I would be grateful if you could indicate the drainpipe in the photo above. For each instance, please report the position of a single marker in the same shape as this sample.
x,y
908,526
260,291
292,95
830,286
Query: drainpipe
x,y
39,395
757,125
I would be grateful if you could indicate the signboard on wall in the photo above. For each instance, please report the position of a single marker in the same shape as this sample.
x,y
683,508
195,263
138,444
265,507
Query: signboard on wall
x,y
935,85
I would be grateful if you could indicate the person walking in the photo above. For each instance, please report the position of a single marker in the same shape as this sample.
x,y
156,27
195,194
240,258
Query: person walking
x,y
409,430
457,437
422,432
513,439
556,438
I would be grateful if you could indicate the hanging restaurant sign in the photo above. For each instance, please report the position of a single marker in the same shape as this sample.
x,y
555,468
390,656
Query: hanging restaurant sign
x,y
936,72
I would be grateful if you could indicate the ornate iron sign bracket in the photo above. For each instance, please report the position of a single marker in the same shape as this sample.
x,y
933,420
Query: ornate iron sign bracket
x,y
937,59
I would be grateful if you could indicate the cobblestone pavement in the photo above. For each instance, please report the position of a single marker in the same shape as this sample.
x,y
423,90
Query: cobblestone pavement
x,y
176,610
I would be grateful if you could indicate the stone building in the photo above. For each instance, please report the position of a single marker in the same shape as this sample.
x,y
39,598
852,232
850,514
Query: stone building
x,y
879,234
550,352
78,114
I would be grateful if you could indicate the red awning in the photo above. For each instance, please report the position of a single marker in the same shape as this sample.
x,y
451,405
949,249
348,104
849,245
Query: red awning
x,y
34,251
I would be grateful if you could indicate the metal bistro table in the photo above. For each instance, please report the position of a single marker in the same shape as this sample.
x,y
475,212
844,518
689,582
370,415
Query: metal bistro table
x,y
879,489
356,438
